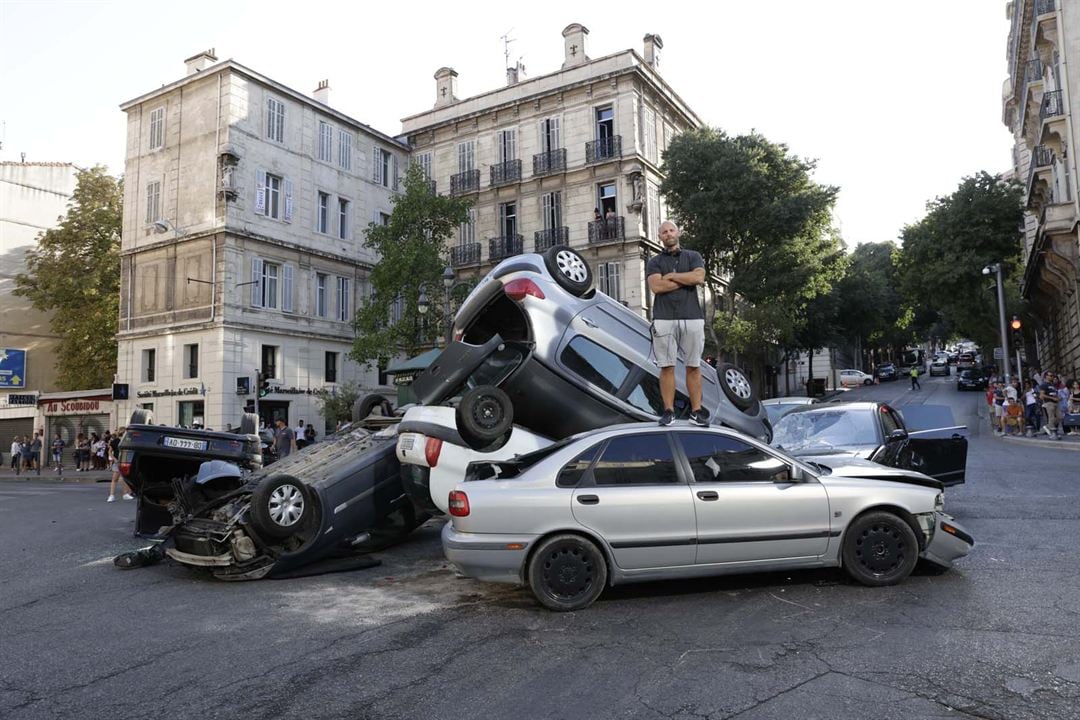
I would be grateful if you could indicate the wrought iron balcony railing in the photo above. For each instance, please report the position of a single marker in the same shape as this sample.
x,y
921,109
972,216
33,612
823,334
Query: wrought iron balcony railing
x,y
602,231
1052,105
603,149
465,182
505,173
467,254
504,247
551,237
552,161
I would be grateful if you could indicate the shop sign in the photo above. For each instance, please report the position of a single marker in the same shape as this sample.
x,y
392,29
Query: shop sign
x,y
73,407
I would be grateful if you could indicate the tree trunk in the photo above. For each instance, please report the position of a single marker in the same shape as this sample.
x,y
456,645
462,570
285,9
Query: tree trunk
x,y
809,372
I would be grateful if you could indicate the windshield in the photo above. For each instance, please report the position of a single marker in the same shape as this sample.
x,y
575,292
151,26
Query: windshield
x,y
824,430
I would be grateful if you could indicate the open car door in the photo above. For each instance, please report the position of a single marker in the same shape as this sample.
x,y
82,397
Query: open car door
x,y
935,444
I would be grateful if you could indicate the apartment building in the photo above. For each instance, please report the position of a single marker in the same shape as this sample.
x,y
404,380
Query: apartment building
x,y
245,207
570,157
1040,100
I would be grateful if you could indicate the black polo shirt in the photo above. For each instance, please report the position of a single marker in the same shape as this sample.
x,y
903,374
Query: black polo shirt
x,y
680,304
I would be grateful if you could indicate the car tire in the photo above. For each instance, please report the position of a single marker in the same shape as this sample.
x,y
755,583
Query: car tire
x,y
249,424
868,381
365,405
879,549
142,416
280,506
566,573
569,269
484,416
737,388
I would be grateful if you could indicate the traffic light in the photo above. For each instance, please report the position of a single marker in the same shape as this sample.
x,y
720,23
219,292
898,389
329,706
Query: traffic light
x,y
1016,324
1017,334
264,386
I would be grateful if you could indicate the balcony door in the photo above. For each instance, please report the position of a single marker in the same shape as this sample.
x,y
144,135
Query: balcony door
x,y
508,220
605,125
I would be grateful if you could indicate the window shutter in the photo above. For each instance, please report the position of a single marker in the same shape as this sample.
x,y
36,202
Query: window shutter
x,y
376,164
287,288
260,192
288,200
555,134
393,162
256,287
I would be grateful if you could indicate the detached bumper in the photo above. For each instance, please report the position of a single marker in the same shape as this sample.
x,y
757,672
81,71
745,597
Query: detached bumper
x,y
949,541
495,558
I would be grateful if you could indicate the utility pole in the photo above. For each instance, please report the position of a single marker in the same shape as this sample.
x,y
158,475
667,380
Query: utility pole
x,y
996,269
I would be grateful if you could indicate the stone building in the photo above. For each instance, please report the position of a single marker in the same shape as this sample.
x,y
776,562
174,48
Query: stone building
x,y
1041,99
245,208
570,157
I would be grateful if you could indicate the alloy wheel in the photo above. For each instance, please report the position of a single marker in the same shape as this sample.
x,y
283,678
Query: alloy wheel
x,y
571,265
286,505
738,383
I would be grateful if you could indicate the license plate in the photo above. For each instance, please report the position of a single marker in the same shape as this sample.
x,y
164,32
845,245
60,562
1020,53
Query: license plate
x,y
410,449
185,443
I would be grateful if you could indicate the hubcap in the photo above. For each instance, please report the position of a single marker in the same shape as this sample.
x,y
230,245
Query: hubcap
x,y
286,505
880,549
738,383
571,265
568,573
487,412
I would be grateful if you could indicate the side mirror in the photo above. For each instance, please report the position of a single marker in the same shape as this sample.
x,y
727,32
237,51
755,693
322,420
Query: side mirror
x,y
897,434
795,474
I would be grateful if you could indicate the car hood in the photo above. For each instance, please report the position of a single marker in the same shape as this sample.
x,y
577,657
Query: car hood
x,y
842,465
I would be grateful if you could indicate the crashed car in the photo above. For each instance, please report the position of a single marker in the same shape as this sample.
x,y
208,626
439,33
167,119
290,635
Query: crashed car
x,y
923,438
637,502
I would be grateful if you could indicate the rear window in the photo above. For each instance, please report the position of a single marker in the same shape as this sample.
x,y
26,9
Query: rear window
x,y
595,364
573,471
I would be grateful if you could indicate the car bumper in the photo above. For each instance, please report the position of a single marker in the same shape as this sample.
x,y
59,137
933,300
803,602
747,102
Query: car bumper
x,y
485,556
949,541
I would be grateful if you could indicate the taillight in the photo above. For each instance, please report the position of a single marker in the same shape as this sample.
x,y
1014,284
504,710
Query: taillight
x,y
431,451
459,503
516,290
125,469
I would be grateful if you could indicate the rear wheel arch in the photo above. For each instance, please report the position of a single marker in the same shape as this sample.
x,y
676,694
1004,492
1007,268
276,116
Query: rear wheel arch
x,y
585,535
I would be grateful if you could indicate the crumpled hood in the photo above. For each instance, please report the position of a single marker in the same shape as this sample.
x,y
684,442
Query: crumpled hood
x,y
849,466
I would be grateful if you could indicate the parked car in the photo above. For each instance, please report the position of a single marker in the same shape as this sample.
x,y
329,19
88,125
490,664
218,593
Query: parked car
x,y
776,407
924,438
855,378
940,366
965,360
886,371
637,502
972,379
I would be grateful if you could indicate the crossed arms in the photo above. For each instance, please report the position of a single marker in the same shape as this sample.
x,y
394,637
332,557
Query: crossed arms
x,y
661,284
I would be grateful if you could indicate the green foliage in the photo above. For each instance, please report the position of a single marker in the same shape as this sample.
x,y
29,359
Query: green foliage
x,y
411,251
74,272
940,264
337,405
869,304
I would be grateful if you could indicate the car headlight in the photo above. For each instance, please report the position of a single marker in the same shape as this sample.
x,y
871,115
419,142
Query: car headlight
x,y
939,502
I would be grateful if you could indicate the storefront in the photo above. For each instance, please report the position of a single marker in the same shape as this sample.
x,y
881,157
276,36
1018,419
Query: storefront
x,y
85,412
18,418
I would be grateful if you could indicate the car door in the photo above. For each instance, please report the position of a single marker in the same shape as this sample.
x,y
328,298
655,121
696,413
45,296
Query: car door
x,y
635,497
940,452
747,503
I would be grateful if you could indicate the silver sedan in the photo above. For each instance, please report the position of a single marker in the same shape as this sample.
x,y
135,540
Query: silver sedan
x,y
637,502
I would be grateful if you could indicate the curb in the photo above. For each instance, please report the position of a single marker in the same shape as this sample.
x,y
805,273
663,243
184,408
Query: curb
x,y
72,478
1047,443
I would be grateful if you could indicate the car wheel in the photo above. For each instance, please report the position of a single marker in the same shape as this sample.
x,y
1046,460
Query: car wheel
x,y
280,506
142,416
484,416
868,381
569,269
367,404
249,424
879,549
567,572
737,387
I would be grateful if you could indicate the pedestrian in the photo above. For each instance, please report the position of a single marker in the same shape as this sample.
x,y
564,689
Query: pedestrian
x,y
298,433
284,439
114,465
678,323
58,453
1031,408
1074,406
999,408
1048,396
309,434
97,445
26,454
36,446
16,454
915,378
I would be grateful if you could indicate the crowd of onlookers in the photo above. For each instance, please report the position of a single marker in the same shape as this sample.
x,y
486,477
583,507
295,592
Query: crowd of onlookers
x,y
1043,403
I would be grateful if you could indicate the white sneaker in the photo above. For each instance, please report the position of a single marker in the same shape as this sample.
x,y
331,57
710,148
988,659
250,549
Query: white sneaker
x,y
1046,429
112,498
129,496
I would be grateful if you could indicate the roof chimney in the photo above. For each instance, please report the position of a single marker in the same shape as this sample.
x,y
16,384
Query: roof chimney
x,y
445,87
653,44
322,93
574,44
201,61
515,74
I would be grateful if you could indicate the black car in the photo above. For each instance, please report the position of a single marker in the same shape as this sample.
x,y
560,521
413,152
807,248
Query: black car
x,y
972,379
886,371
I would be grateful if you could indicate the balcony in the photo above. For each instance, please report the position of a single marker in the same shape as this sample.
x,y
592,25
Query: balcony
x,y
505,173
1052,105
604,231
466,254
546,239
603,149
431,187
1034,71
552,161
465,182
504,247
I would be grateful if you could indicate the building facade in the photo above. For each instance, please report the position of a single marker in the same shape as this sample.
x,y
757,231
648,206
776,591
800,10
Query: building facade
x,y
571,157
245,208
1040,100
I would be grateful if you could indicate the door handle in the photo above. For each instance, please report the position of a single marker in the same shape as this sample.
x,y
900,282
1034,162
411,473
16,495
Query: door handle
x,y
708,495
588,499
588,322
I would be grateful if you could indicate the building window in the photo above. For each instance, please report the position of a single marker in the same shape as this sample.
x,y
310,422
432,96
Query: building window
x,y
549,134
191,414
269,366
269,284
467,229
149,360
648,130
397,310
275,120
343,299
343,218
605,199
424,161
605,123
331,367
321,281
506,145
609,279
385,168
466,154
272,206
322,218
191,361
326,139
552,210
157,129
153,202
384,219
345,149
508,220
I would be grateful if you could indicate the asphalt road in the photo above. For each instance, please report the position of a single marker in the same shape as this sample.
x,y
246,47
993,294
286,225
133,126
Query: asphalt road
x,y
996,637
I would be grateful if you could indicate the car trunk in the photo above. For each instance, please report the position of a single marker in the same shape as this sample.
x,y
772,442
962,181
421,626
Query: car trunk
x,y
157,479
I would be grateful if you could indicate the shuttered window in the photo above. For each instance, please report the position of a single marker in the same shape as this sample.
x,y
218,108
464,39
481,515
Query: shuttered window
x,y
326,139
343,218
466,152
157,129
275,120
153,202
609,279
550,134
287,273
345,149
552,210
507,145
343,299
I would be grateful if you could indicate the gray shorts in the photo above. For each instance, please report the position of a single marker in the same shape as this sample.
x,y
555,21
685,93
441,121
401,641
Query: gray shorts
x,y
674,338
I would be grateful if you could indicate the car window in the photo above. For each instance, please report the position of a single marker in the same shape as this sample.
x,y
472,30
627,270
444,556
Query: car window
x,y
572,471
636,460
823,430
595,364
645,395
718,458
497,366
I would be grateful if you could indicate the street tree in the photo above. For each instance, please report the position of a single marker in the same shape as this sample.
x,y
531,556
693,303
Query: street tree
x,y
74,273
411,249
870,312
336,404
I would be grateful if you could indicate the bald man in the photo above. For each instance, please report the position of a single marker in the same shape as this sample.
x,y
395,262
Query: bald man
x,y
678,322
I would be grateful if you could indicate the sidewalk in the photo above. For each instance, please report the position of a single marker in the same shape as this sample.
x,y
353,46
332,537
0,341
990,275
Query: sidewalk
x,y
1040,439
51,476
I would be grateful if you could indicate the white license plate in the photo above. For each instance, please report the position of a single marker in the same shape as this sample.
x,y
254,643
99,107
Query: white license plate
x,y
184,443
410,449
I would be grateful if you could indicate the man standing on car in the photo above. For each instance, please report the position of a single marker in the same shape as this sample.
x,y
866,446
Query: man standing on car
x,y
284,439
678,323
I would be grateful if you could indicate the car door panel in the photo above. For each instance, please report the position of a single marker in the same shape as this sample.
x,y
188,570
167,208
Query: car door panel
x,y
942,458
646,527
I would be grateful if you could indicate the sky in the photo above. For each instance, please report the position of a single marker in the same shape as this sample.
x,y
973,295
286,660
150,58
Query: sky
x,y
897,100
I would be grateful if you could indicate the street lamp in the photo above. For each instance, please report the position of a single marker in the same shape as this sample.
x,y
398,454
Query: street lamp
x,y
448,283
422,303
996,269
